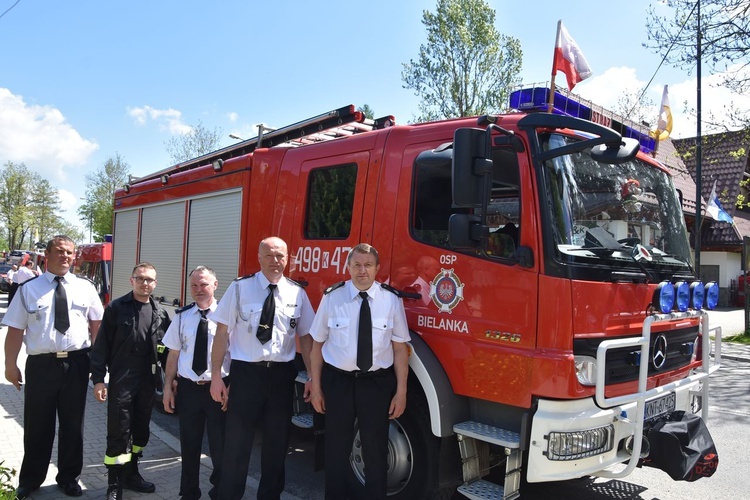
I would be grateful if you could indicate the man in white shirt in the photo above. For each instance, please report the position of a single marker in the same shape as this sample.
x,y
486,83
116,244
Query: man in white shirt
x,y
259,319
189,339
360,364
60,315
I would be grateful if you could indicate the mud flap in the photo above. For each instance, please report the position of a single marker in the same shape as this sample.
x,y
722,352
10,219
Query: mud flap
x,y
682,447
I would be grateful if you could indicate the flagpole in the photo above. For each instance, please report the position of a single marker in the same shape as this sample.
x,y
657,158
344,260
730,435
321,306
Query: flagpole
x,y
551,97
698,150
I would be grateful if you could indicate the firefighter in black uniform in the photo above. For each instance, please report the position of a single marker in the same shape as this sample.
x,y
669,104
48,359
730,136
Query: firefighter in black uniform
x,y
127,346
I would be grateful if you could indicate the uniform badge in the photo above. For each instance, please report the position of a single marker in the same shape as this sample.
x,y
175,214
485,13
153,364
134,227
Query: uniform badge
x,y
293,323
446,290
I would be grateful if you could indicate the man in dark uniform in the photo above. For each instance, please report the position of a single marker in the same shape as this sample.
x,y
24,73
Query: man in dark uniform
x,y
60,313
189,339
360,363
126,347
259,319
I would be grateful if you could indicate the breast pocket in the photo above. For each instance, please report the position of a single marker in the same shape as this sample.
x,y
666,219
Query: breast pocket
x,y
290,317
381,332
338,331
250,314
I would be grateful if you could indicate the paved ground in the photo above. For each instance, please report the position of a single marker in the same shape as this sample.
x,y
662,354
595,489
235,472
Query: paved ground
x,y
161,463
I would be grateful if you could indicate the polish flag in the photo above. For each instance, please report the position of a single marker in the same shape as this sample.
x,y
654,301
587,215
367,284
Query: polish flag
x,y
568,58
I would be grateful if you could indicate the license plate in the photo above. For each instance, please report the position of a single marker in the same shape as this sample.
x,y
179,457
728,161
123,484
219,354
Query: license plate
x,y
660,406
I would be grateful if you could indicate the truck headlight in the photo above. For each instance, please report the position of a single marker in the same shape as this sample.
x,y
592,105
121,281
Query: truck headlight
x,y
579,444
585,370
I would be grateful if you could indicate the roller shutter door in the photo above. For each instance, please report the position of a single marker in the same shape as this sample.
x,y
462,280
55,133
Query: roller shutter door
x,y
162,236
214,238
124,251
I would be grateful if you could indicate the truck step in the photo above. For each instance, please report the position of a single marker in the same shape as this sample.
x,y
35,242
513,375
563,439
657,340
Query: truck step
x,y
483,490
488,433
303,420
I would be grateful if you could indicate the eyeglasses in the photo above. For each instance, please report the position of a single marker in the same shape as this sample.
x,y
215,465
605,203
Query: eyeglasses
x,y
359,267
140,280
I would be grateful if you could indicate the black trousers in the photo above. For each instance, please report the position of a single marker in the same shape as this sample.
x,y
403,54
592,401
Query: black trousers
x,y
260,397
131,399
55,387
195,409
12,292
367,400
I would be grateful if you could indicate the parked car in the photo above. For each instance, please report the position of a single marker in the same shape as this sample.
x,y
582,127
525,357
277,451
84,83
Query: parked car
x,y
4,284
15,257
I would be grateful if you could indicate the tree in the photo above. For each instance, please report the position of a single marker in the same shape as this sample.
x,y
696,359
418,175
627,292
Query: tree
x,y
367,110
725,44
98,209
466,67
15,188
43,210
193,144
636,107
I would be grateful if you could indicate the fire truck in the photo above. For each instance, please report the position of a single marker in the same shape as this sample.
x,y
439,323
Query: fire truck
x,y
94,261
542,258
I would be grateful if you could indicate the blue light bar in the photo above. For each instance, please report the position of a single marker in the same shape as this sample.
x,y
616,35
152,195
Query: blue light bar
x,y
536,99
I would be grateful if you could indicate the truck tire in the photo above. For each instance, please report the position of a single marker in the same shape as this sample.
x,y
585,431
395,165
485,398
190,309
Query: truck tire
x,y
412,456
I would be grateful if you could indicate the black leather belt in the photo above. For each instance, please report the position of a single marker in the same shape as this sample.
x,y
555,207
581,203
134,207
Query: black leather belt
x,y
359,373
196,382
267,364
63,354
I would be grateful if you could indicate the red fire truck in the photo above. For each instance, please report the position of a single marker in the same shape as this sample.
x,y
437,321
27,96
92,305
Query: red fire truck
x,y
544,265
94,261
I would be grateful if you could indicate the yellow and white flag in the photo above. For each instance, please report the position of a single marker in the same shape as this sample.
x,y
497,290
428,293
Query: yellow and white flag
x,y
664,124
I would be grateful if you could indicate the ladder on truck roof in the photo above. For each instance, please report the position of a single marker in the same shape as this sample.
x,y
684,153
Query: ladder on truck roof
x,y
341,122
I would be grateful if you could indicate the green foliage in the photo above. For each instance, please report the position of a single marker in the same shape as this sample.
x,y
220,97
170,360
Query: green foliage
x,y
197,142
29,207
98,210
7,491
725,46
466,67
367,110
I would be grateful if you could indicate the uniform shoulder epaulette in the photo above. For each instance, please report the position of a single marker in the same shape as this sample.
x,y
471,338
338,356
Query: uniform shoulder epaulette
x,y
296,283
334,287
30,279
181,309
244,277
385,286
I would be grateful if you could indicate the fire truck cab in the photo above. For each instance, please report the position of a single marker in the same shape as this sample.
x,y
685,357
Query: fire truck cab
x,y
542,258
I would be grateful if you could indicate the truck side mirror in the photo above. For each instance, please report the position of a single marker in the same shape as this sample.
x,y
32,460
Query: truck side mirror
x,y
465,232
470,168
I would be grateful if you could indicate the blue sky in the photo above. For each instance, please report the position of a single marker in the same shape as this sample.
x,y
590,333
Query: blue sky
x,y
81,81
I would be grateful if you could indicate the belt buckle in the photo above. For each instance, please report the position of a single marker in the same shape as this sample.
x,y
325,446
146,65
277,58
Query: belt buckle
x,y
202,382
61,355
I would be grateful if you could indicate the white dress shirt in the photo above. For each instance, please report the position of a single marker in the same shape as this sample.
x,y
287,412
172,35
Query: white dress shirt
x,y
181,337
33,310
240,309
337,320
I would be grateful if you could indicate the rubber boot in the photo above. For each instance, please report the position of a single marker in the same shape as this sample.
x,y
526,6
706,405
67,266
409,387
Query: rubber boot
x,y
114,490
132,479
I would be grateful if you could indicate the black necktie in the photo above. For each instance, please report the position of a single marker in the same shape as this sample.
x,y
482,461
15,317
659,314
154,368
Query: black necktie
x,y
364,335
200,349
265,328
62,322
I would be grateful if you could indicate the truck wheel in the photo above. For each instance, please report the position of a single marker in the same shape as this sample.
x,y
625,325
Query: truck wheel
x,y
412,456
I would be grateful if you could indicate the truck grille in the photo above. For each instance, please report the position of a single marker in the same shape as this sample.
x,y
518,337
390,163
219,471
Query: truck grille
x,y
623,363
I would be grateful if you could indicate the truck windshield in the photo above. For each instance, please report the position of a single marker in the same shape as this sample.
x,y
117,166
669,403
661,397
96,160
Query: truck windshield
x,y
600,211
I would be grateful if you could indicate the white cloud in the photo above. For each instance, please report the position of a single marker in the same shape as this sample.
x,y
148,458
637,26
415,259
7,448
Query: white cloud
x,y
167,119
233,117
40,137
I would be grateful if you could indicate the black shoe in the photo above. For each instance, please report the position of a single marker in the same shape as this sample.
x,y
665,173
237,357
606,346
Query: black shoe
x,y
71,489
24,491
136,482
